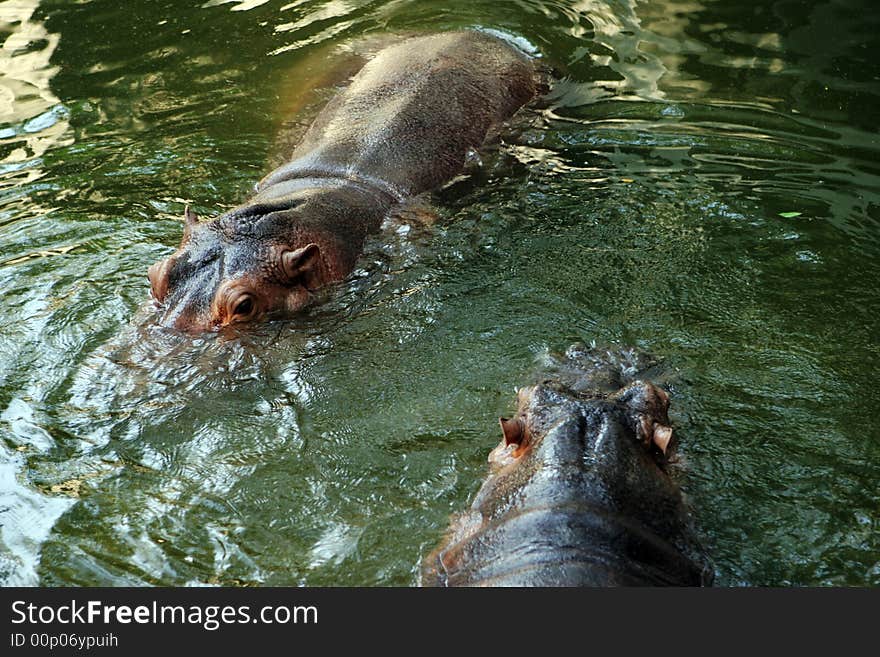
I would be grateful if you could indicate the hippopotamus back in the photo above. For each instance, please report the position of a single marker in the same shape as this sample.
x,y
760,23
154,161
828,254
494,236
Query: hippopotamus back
x,y
411,115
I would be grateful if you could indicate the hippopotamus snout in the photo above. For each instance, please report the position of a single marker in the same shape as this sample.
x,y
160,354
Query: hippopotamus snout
x,y
579,492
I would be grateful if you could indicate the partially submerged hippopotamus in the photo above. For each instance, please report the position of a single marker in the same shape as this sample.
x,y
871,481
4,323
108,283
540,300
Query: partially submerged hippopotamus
x,y
405,125
579,494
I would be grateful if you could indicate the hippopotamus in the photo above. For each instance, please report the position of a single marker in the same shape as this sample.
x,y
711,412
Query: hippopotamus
x,y
580,492
406,124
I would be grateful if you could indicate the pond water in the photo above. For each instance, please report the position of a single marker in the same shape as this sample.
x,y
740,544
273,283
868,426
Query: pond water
x,y
703,183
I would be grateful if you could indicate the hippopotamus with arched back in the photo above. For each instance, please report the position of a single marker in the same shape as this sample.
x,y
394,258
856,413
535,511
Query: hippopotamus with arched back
x,y
405,125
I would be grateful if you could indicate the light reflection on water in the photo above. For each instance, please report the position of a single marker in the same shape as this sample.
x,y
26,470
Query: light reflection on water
x,y
640,205
32,120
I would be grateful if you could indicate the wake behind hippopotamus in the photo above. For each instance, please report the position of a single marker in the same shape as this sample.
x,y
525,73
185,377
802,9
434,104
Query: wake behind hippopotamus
x,y
405,125
579,494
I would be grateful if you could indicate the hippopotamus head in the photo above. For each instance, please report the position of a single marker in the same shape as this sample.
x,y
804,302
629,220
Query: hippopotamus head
x,y
262,260
593,410
594,433
216,278
579,493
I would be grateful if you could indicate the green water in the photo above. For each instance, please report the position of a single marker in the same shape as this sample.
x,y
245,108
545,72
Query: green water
x,y
642,207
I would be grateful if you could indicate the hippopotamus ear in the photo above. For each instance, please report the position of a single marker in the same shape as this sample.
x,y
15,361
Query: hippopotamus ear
x,y
661,436
190,222
158,275
303,265
512,430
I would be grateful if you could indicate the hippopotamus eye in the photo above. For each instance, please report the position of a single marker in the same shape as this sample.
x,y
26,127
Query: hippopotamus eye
x,y
244,307
241,307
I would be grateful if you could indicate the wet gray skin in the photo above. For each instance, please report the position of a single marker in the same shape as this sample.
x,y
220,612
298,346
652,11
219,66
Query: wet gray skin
x,y
405,125
579,493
